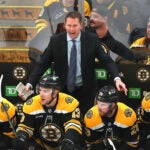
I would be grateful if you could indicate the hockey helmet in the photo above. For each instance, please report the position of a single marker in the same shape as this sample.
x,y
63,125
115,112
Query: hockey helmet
x,y
146,96
107,94
50,81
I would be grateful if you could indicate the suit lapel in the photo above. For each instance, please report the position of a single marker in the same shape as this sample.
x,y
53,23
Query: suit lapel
x,y
83,49
64,49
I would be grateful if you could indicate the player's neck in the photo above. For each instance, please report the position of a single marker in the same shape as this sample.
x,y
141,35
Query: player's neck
x,y
52,103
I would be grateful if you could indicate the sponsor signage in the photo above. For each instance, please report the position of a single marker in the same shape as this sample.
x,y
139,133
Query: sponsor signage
x,y
135,93
11,91
101,74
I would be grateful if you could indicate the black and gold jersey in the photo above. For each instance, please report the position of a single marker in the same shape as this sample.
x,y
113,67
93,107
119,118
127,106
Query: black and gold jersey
x,y
50,125
145,111
122,126
9,112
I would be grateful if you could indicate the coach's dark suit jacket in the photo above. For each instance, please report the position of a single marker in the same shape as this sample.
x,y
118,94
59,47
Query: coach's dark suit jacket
x,y
57,52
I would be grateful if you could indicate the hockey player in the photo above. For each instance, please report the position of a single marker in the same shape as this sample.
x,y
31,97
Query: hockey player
x,y
51,118
111,124
8,123
145,122
143,42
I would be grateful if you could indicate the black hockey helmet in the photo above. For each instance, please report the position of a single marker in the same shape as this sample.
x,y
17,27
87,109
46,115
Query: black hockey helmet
x,y
107,94
50,81
146,96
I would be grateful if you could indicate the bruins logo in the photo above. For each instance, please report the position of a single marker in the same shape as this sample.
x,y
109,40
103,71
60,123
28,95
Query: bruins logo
x,y
147,96
89,114
128,112
6,107
29,102
51,132
69,100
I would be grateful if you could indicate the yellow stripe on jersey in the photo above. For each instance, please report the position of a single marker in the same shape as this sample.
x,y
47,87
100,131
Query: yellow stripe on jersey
x,y
74,128
9,134
73,124
28,130
133,144
41,23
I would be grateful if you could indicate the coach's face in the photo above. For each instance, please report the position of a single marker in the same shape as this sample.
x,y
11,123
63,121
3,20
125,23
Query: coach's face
x,y
97,20
73,27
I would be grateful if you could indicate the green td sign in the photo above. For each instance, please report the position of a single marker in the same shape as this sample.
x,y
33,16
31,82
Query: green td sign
x,y
135,93
10,91
101,74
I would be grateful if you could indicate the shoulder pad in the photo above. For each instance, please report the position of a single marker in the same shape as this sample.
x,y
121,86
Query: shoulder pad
x,y
125,116
9,107
66,103
32,105
138,43
92,118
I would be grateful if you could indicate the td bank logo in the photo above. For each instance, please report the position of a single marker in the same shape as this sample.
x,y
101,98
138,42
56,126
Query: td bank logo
x,y
101,74
10,91
135,93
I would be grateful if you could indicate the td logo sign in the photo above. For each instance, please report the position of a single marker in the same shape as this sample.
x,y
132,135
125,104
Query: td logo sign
x,y
101,74
10,91
135,93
